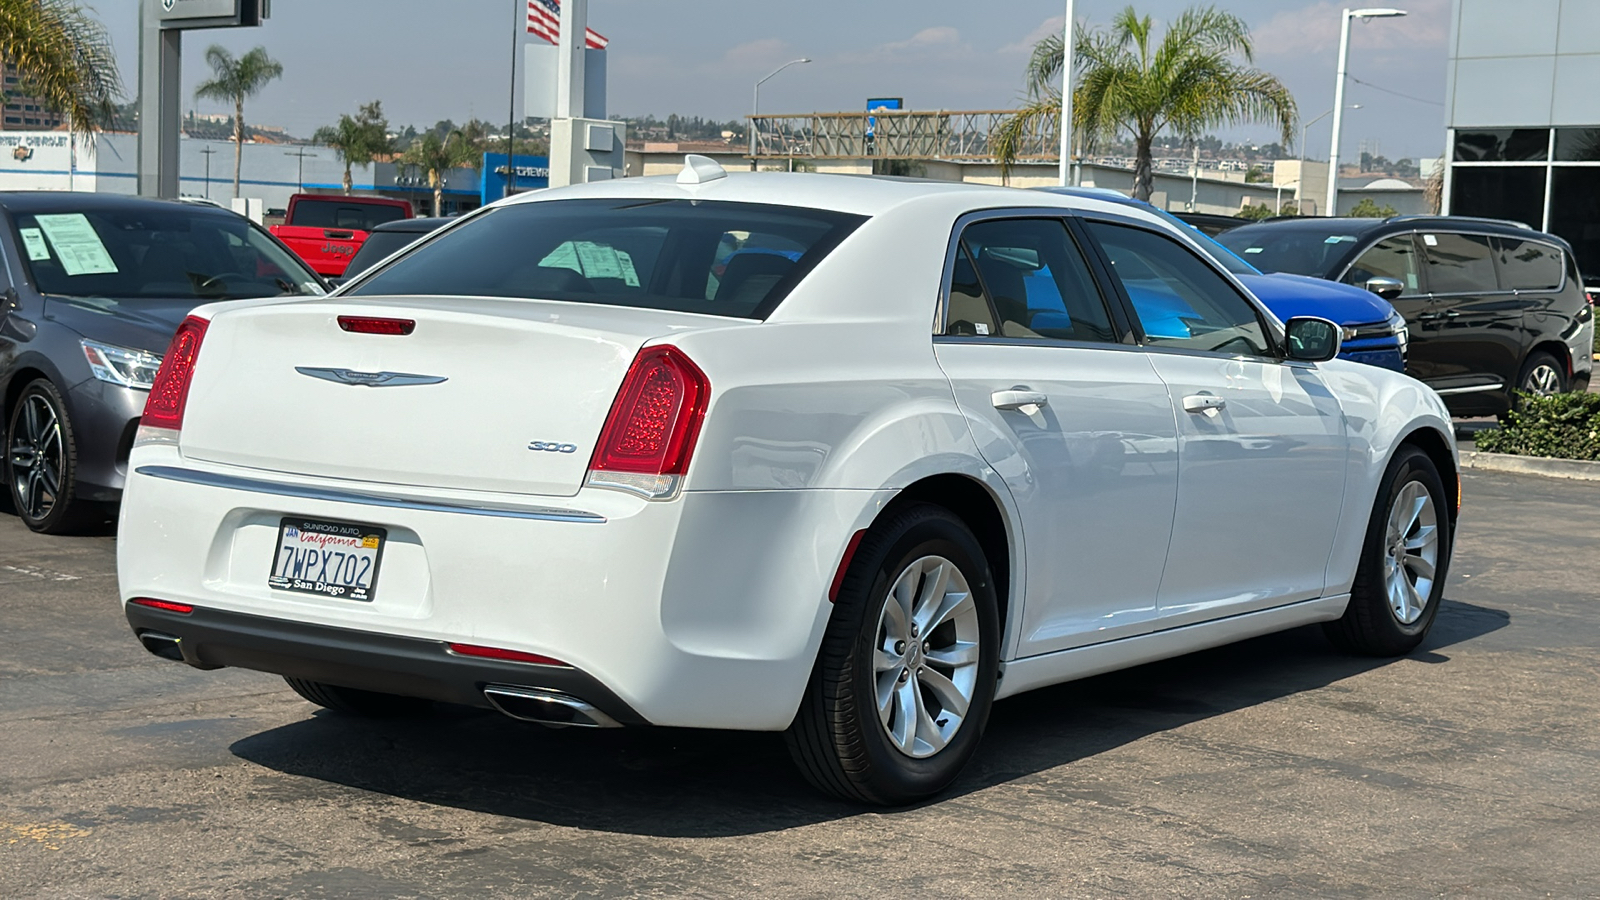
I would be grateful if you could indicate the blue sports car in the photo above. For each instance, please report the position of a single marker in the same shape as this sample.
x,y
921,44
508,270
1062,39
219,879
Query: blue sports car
x,y
1374,333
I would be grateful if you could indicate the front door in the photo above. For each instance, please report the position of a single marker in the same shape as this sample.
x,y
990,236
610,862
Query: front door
x,y
1076,422
1262,447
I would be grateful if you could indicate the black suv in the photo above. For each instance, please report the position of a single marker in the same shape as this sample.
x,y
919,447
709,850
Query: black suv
x,y
1491,306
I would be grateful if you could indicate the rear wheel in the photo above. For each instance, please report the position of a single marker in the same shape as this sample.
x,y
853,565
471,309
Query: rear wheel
x,y
41,462
369,704
905,679
1542,375
1400,580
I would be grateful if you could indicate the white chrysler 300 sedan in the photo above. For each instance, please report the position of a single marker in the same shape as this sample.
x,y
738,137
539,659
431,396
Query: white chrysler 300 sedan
x,y
843,457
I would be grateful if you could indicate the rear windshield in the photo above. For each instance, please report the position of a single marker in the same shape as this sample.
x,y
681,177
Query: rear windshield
x,y
1297,250
713,257
166,252
343,214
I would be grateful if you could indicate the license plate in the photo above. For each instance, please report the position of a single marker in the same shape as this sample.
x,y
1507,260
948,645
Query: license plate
x,y
330,559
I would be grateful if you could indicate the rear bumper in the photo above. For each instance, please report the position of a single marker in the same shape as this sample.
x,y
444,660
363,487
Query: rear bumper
x,y
705,611
412,667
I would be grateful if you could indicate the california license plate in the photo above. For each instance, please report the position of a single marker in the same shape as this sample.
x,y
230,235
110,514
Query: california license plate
x,y
332,559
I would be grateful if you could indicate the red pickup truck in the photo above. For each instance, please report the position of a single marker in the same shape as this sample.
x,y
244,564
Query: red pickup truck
x,y
326,230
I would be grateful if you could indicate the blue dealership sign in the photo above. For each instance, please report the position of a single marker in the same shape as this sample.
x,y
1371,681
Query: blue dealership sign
x,y
531,171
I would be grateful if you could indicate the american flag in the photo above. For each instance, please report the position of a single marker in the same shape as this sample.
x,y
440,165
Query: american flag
x,y
544,20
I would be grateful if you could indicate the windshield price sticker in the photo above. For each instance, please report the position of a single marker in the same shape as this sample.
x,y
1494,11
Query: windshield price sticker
x,y
330,559
33,239
77,244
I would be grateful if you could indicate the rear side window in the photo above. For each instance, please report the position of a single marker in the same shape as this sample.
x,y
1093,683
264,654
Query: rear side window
x,y
1528,265
1394,258
1181,302
713,257
1035,278
1458,264
344,215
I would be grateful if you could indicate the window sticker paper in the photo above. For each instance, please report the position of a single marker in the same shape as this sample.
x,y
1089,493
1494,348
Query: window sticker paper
x,y
77,244
33,239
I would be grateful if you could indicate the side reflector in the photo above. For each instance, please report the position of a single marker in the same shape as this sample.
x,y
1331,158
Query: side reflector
x,y
373,325
170,392
505,655
844,564
163,605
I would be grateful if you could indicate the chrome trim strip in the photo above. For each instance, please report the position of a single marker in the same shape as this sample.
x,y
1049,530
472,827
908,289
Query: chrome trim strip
x,y
334,495
1475,389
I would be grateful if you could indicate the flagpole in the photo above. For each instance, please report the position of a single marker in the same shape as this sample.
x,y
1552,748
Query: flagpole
x,y
519,23
1066,99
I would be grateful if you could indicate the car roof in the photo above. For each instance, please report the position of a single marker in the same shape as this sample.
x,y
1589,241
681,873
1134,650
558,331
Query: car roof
x,y
420,225
81,201
865,195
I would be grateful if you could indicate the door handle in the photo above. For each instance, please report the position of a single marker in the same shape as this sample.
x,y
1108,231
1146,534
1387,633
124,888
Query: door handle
x,y
338,235
1199,403
1017,398
1429,317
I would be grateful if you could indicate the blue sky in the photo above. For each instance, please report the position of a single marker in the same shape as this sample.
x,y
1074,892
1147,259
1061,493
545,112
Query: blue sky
x,y
434,59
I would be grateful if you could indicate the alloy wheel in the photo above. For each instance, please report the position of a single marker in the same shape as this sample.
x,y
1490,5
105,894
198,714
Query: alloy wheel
x,y
925,660
37,455
1543,380
1411,555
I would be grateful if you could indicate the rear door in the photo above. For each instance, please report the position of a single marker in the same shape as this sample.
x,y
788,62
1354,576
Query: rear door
x,y
1261,442
1472,327
1072,417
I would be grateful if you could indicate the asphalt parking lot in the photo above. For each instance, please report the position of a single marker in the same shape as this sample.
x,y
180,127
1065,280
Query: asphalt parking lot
x,y
1272,768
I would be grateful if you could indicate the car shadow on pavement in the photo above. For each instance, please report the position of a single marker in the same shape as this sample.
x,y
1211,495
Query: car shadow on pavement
x,y
686,783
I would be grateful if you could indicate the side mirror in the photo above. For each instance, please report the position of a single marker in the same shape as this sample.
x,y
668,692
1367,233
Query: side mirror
x,y
1311,339
1387,288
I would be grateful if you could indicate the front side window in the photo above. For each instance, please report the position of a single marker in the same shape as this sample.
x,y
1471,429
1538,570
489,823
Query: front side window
x,y
1181,302
704,256
1528,265
1034,278
1394,257
1458,264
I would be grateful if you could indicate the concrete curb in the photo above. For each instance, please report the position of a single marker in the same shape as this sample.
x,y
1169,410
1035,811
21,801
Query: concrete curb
x,y
1576,469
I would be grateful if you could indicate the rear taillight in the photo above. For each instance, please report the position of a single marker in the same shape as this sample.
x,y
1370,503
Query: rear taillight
x,y
374,325
649,435
170,392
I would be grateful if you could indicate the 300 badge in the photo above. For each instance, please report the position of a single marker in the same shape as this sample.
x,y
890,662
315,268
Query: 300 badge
x,y
553,447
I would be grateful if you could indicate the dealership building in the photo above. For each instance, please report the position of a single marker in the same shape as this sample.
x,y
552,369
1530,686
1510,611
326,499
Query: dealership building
x,y
1523,109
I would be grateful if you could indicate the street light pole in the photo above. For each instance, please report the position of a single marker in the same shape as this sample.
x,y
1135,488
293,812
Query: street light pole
x,y
755,105
1338,93
208,150
1300,179
302,174
1066,98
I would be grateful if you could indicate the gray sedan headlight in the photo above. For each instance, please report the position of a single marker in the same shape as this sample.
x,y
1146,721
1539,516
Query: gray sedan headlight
x,y
121,365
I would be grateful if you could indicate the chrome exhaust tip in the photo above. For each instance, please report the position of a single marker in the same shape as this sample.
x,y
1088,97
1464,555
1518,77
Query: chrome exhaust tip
x,y
165,646
546,707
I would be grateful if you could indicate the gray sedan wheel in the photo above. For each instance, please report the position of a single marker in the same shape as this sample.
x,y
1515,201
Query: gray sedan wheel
x,y
41,460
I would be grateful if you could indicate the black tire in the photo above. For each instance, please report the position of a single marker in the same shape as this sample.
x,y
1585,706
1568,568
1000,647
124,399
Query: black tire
x,y
1370,625
836,738
367,704
1542,374
44,510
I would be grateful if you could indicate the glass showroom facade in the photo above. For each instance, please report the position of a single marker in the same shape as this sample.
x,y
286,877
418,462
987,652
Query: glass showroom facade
x,y
1548,178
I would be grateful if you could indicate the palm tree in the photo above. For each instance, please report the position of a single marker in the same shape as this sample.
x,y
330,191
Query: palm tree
x,y
437,156
233,80
61,55
1188,83
357,140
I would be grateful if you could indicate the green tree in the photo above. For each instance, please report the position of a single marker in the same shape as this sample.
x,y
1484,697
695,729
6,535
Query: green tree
x,y
437,156
1256,213
1367,209
357,139
63,56
1130,85
232,80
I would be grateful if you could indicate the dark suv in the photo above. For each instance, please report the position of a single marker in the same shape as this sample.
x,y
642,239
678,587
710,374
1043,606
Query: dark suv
x,y
1492,306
